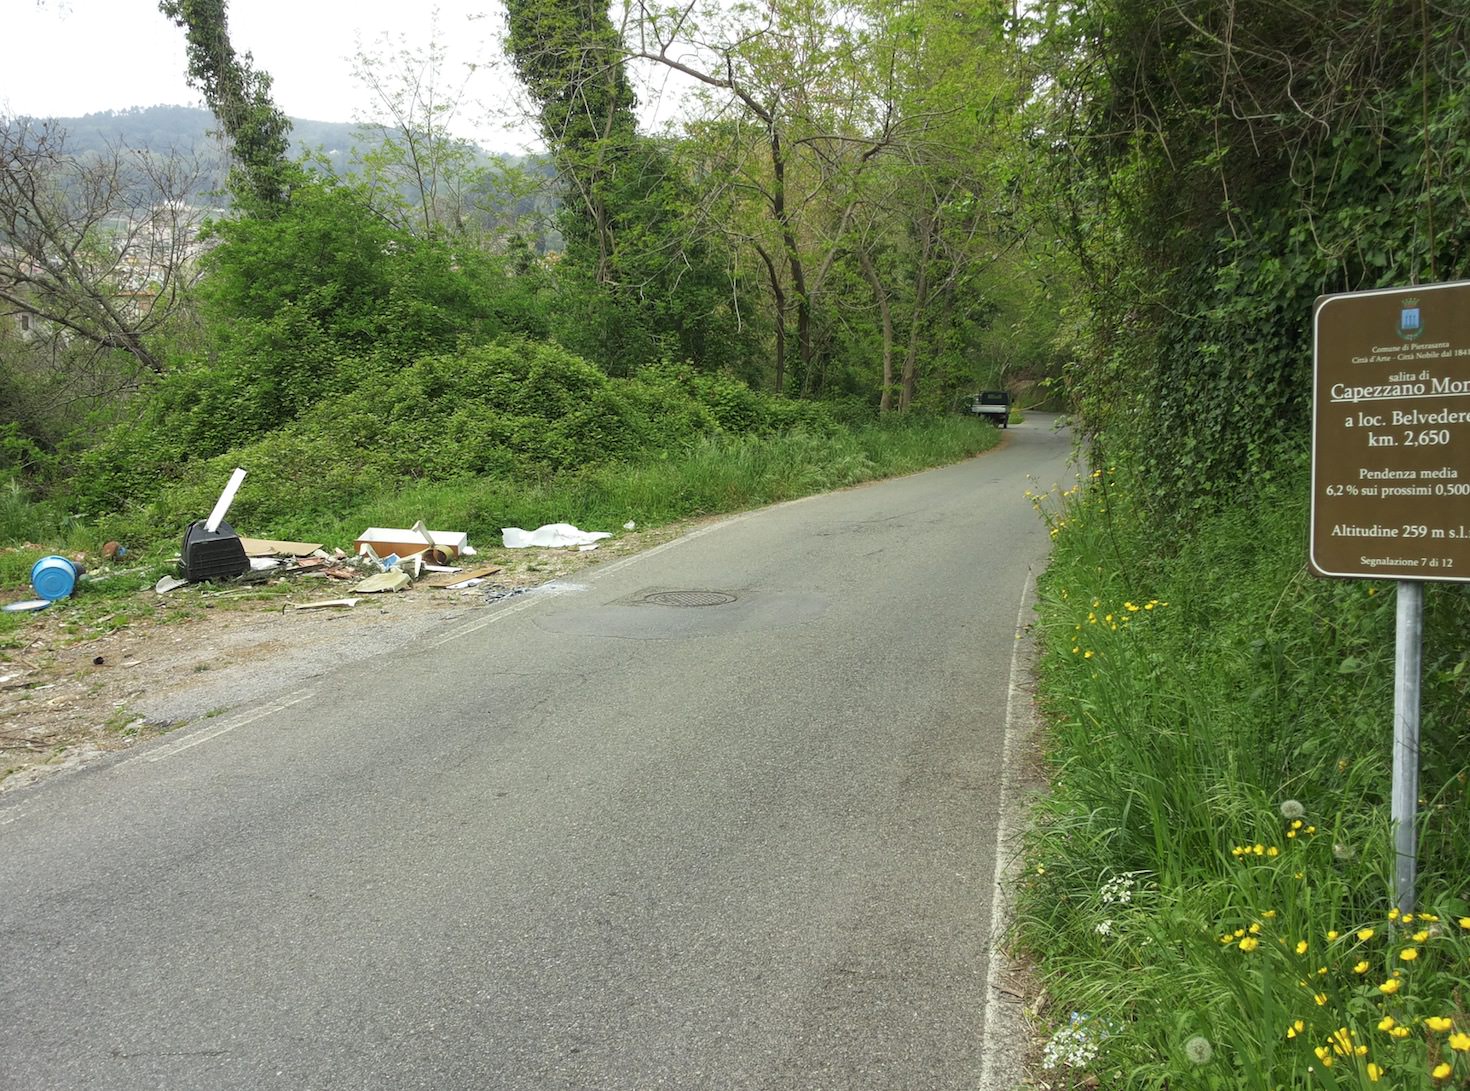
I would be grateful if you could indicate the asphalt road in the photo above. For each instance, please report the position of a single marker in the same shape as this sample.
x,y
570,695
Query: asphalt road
x,y
579,840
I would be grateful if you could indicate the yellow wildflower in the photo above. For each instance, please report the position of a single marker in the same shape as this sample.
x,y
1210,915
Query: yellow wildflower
x,y
1301,947
1390,986
1400,1032
1441,1071
1360,968
1374,1072
1365,934
1321,999
1273,851
1460,1042
1409,954
1250,943
1269,914
1331,936
1387,1023
1438,1023
1419,937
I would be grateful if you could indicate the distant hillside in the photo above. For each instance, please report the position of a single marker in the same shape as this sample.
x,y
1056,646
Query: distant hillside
x,y
190,130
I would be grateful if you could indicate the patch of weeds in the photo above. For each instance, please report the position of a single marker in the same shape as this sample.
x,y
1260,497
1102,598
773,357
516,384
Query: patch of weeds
x,y
123,723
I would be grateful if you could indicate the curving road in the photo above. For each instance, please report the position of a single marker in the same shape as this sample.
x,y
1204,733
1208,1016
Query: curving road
x,y
738,836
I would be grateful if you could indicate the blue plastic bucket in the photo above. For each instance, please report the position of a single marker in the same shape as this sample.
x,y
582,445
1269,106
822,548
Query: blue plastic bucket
x,y
54,578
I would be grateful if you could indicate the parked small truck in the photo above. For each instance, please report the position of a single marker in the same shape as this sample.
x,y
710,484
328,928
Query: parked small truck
x,y
994,406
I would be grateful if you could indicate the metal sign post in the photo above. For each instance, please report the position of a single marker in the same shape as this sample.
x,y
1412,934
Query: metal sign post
x,y
1391,480
1409,645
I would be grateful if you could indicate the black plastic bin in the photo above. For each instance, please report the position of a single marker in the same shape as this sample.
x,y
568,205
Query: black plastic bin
x,y
213,555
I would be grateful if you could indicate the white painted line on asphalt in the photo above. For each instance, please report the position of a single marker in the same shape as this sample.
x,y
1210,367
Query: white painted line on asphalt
x,y
999,1055
618,566
205,734
459,632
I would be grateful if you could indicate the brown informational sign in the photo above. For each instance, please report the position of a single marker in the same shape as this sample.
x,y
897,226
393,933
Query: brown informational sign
x,y
1391,434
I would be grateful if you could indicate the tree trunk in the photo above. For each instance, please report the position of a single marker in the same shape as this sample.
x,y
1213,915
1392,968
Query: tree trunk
x,y
778,300
916,319
885,313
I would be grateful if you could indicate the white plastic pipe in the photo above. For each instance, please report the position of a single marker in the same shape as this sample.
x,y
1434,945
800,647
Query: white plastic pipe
x,y
226,498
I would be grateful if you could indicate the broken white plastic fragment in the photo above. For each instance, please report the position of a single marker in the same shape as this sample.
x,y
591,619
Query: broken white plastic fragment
x,y
226,498
551,536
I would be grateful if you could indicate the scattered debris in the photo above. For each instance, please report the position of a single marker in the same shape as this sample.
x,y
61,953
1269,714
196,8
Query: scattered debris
x,y
212,550
630,525
169,583
113,550
383,581
324,604
382,541
269,547
55,577
551,536
26,606
261,564
457,577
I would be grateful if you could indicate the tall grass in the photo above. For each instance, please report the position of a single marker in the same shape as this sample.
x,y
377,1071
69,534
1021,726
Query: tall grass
x,y
708,476
1216,834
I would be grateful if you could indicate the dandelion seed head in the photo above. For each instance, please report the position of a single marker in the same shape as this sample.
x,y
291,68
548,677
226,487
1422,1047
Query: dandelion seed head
x,y
1198,1050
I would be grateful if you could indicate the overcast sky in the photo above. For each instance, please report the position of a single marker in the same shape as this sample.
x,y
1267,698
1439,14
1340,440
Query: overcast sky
x,y
64,58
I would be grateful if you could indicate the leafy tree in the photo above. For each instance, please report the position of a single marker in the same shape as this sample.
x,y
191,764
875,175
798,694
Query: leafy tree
x,y
96,249
641,280
420,168
239,96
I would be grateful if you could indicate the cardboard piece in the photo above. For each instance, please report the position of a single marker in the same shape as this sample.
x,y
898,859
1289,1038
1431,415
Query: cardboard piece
x,y
324,604
450,579
383,581
270,547
381,541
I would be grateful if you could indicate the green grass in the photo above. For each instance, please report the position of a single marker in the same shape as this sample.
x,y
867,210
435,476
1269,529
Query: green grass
x,y
1199,707
708,476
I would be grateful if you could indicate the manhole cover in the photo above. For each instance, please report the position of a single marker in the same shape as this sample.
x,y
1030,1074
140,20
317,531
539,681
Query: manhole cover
x,y
688,598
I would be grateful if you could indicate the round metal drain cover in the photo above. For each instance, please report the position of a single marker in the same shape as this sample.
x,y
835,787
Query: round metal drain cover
x,y
688,598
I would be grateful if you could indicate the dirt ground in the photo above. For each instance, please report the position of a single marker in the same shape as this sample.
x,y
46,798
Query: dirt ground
x,y
69,693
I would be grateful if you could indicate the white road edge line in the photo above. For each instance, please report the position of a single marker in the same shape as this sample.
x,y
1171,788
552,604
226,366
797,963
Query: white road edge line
x,y
997,1074
204,735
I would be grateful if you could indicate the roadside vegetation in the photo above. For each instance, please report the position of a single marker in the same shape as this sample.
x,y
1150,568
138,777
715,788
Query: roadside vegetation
x,y
1209,886
1210,880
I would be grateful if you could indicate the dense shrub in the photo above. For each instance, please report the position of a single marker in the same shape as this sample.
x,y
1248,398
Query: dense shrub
x,y
516,409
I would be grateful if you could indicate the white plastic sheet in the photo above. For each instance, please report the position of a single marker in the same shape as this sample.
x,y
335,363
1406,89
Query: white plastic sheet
x,y
551,536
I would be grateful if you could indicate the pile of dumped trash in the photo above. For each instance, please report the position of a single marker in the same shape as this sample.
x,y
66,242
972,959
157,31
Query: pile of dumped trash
x,y
385,559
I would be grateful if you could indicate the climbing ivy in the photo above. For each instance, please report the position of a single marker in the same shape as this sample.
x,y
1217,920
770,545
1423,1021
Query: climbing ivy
x,y
1216,166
